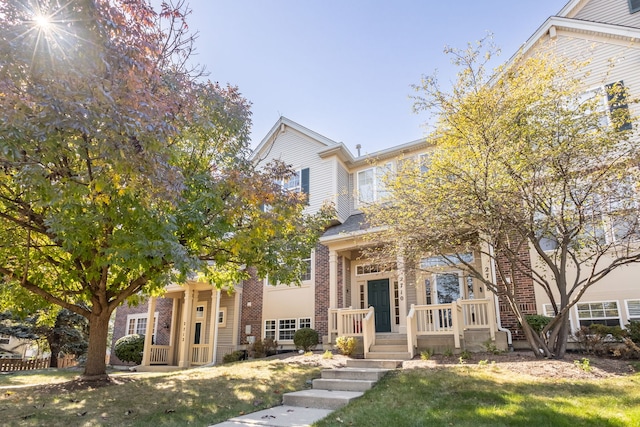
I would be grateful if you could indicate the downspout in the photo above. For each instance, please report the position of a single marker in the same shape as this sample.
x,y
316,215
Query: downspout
x,y
494,280
217,327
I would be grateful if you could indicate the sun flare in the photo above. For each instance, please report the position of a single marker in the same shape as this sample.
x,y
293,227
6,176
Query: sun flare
x,y
42,22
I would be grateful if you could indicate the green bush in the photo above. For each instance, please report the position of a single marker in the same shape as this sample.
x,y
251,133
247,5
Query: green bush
x,y
262,348
306,339
346,345
537,321
633,330
233,356
129,348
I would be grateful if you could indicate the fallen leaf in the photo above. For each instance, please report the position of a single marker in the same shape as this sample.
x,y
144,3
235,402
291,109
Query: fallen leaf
x,y
81,414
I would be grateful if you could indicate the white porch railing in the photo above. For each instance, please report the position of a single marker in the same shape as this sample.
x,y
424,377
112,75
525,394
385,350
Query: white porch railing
x,y
159,355
200,354
368,331
346,322
449,319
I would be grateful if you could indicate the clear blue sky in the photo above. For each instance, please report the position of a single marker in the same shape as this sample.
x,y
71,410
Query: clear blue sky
x,y
344,68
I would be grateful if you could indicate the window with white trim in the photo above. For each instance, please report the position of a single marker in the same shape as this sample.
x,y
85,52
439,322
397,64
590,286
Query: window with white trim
x,y
200,312
270,329
370,183
633,309
286,329
600,312
305,276
222,317
365,269
137,324
424,162
304,322
634,6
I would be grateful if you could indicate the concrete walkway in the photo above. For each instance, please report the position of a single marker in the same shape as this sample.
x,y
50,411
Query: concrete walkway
x,y
335,389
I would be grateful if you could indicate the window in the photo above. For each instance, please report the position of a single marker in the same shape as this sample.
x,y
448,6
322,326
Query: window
x,y
371,185
4,339
298,182
222,317
364,269
305,322
610,104
362,295
633,309
634,6
444,261
425,160
604,313
396,303
286,329
270,329
200,312
306,274
137,323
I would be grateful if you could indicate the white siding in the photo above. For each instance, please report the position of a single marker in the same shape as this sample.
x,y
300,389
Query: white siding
x,y
610,12
343,204
300,152
602,54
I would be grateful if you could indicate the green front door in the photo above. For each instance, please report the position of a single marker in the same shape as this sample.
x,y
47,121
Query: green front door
x,y
379,298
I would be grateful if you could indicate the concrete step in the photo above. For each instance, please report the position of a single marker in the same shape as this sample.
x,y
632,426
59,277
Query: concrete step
x,y
371,363
344,385
364,374
395,355
321,399
391,341
388,348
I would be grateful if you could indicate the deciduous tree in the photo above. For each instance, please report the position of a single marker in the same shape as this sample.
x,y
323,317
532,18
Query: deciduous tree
x,y
122,169
528,172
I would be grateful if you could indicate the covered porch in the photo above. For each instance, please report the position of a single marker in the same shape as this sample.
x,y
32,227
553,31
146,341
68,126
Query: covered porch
x,y
201,328
458,325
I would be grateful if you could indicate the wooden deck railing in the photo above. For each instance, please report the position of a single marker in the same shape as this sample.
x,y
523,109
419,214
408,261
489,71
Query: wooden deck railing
x,y
200,354
346,322
449,319
369,331
159,355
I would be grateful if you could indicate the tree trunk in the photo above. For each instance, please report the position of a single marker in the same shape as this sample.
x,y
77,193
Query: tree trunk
x,y
53,340
96,366
561,342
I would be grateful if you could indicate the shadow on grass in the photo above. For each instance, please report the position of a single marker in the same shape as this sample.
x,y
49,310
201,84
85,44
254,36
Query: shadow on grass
x,y
460,397
198,397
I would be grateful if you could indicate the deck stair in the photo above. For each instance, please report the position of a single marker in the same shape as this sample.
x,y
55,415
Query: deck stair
x,y
337,387
389,347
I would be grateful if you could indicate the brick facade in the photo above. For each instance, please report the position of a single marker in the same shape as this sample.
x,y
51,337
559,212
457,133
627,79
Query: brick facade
x,y
525,292
252,290
322,300
164,308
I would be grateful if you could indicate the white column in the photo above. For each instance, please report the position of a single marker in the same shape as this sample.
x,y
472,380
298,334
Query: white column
x,y
148,333
213,333
333,279
184,359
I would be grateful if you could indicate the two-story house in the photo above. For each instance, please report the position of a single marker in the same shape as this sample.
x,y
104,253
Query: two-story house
x,y
391,309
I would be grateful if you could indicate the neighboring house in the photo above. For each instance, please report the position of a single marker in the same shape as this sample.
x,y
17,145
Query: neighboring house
x,y
13,347
343,293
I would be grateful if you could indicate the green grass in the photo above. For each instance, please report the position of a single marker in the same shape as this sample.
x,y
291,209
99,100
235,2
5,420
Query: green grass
x,y
471,396
196,397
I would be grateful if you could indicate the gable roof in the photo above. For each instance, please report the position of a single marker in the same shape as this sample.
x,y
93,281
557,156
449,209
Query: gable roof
x,y
280,126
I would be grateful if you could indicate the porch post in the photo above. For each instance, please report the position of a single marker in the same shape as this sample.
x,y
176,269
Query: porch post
x,y
402,294
184,359
213,319
146,352
333,279
172,331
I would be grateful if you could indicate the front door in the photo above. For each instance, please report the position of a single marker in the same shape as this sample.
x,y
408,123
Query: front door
x,y
378,291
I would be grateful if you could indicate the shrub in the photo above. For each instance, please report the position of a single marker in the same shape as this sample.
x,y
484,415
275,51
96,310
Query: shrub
x,y
346,345
633,330
233,356
306,339
426,354
129,348
537,321
260,348
584,364
447,352
600,339
327,355
465,355
491,347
